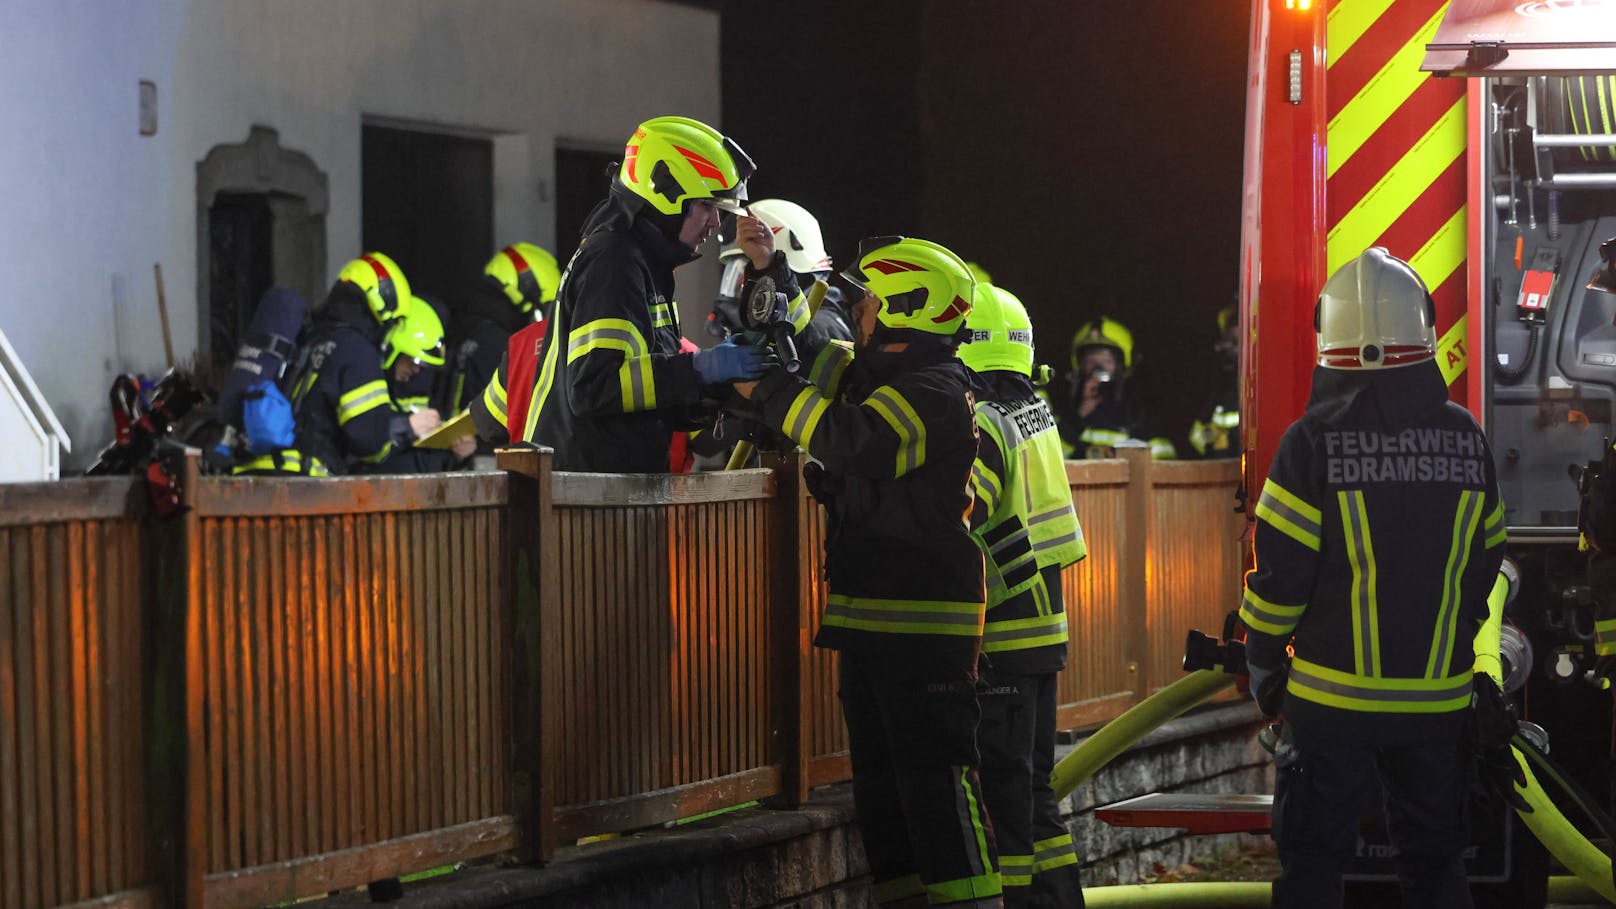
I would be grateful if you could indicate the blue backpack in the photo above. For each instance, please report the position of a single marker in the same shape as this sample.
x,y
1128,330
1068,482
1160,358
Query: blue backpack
x,y
266,417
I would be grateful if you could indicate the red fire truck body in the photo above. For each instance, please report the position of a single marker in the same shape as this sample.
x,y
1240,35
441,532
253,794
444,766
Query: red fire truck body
x,y
1477,140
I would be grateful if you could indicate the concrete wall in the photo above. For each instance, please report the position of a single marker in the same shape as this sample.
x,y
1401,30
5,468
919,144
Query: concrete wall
x,y
90,205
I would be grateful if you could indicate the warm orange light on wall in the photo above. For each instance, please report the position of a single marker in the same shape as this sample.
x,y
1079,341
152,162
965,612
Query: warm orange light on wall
x,y
1299,4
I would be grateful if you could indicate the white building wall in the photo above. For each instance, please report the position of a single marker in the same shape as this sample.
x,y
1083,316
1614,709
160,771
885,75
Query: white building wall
x,y
87,205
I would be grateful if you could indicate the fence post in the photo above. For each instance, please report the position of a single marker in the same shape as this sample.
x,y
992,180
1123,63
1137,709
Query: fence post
x,y
1135,551
788,630
175,760
531,565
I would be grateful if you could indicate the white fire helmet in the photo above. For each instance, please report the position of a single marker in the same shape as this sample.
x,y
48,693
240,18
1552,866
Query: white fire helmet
x,y
1375,313
796,232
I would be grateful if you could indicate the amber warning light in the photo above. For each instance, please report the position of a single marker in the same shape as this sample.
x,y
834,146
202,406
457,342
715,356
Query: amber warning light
x,y
1299,4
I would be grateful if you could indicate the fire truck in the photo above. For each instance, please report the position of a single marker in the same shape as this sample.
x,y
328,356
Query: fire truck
x,y
1477,140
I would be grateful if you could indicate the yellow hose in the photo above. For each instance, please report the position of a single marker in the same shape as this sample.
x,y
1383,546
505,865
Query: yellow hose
x,y
1186,894
1564,841
1118,735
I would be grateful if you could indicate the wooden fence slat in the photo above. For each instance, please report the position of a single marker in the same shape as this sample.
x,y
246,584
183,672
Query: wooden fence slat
x,y
11,730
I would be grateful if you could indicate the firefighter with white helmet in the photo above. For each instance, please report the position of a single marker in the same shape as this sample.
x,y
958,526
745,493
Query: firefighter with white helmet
x,y
609,384
1099,416
1379,533
894,437
1028,531
797,236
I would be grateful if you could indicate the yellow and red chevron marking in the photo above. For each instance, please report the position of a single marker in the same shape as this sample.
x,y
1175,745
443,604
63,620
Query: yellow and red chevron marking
x,y
1395,155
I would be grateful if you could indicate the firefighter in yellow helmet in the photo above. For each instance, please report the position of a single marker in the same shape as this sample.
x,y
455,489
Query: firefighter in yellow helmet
x,y
1028,531
894,437
344,411
1216,432
1379,534
517,286
611,383
1099,416
412,356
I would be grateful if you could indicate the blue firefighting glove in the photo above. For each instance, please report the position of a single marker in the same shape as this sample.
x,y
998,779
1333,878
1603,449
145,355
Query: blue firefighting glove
x,y
728,362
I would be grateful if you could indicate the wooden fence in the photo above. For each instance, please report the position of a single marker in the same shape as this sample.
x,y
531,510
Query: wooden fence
x,y
303,685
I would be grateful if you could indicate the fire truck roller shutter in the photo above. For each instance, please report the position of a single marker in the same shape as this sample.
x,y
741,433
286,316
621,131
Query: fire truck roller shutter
x,y
1580,106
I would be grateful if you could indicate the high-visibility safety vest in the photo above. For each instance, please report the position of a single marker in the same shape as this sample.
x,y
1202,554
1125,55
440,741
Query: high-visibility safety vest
x,y
1024,521
1376,548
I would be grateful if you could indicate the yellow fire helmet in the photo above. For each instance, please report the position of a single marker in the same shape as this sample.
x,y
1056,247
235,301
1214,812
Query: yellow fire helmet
x,y
418,335
922,286
1102,332
529,275
383,282
1001,333
979,273
671,160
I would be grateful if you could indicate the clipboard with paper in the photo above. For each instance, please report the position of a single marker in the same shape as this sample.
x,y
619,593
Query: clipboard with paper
x,y
449,432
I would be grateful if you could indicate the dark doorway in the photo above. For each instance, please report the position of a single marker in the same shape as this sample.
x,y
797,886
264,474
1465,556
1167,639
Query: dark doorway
x,y
427,200
582,179
241,256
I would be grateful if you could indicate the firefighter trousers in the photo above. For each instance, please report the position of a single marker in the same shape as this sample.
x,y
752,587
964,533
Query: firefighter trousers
x,y
1037,858
1319,793
912,741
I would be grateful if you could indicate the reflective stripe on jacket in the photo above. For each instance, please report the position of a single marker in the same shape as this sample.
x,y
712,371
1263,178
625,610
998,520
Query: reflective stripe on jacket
x,y
1375,550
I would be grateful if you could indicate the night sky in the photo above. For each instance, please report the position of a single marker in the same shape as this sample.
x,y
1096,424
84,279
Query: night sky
x,y
1086,153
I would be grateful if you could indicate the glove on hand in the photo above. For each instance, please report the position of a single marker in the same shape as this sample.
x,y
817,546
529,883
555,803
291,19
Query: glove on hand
x,y
1496,773
821,485
729,361
1268,687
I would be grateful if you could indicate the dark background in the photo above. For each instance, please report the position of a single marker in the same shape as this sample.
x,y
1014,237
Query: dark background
x,y
1087,153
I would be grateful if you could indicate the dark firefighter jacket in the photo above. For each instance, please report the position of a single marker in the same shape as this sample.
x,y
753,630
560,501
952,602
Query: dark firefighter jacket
x,y
1024,520
344,412
1379,532
612,383
896,436
482,328
1109,425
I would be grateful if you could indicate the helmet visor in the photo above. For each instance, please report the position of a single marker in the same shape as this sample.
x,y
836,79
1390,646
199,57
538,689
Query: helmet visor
x,y
854,274
734,278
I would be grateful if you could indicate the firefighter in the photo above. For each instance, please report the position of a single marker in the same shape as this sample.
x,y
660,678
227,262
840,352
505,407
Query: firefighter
x,y
893,436
1216,433
613,401
411,350
1100,417
411,379
798,236
517,284
1028,531
1379,533
344,411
